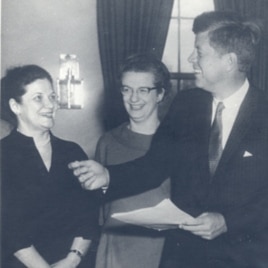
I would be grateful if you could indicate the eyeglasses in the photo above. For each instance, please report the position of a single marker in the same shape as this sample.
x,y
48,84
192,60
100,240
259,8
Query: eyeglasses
x,y
141,91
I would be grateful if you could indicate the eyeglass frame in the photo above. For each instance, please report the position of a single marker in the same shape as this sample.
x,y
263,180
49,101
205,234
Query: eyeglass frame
x,y
138,91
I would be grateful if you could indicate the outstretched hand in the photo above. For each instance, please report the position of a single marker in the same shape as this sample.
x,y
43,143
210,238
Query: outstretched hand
x,y
90,174
208,225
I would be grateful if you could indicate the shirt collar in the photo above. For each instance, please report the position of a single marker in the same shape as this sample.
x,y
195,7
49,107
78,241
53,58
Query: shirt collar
x,y
234,101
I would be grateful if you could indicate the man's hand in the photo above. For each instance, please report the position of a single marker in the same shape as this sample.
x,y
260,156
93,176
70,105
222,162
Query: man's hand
x,y
91,174
208,225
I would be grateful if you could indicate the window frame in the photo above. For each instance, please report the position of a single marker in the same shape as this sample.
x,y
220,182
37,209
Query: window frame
x,y
181,77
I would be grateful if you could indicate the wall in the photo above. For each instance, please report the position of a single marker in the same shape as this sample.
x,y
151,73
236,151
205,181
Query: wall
x,y
36,32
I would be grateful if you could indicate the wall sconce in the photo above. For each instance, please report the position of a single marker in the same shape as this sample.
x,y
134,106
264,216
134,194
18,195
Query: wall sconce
x,y
69,84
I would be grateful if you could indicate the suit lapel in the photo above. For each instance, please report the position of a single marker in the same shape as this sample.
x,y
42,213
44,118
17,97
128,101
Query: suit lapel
x,y
202,121
201,128
240,127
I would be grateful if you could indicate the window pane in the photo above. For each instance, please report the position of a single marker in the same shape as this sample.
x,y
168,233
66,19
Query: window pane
x,y
171,51
186,45
195,7
186,84
180,43
175,9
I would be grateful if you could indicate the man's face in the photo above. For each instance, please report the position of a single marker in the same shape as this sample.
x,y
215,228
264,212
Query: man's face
x,y
208,64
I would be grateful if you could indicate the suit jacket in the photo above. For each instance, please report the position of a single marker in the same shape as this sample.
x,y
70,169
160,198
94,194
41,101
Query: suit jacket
x,y
238,189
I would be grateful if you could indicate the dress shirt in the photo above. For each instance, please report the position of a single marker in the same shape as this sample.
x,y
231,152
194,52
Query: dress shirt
x,y
229,113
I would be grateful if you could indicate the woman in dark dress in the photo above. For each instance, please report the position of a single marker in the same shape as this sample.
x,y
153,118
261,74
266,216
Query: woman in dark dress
x,y
48,220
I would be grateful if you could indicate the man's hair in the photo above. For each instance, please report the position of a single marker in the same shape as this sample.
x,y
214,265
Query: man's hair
x,y
13,86
148,63
229,32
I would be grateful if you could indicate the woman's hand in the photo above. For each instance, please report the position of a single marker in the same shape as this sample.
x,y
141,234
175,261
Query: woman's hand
x,y
71,261
31,258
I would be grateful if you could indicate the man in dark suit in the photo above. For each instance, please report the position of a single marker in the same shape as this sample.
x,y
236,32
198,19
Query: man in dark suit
x,y
214,145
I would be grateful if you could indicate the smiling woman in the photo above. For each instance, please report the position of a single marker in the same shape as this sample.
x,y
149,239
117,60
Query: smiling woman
x,y
36,111
38,190
141,98
144,82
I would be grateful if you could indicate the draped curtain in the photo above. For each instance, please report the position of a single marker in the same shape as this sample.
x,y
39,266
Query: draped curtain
x,y
127,27
258,10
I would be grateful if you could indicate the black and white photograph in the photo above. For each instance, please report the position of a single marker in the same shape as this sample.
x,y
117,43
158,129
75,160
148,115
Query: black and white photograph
x,y
134,134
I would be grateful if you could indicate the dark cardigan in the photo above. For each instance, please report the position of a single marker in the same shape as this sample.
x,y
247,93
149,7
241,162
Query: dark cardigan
x,y
41,208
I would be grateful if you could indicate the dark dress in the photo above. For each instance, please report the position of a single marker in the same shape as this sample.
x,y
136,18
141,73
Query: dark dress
x,y
43,208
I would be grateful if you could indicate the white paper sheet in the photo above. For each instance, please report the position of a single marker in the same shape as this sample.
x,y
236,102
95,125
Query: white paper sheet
x,y
164,215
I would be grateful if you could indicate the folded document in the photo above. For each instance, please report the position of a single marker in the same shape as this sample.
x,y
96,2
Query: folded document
x,y
164,215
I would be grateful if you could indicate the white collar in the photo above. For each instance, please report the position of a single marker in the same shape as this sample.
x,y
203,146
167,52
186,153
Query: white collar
x,y
234,101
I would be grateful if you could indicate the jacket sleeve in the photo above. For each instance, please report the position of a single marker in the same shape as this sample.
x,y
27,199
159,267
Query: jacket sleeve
x,y
85,204
100,152
152,169
16,207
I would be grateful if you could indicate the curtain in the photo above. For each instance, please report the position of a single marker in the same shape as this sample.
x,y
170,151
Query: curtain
x,y
127,27
258,10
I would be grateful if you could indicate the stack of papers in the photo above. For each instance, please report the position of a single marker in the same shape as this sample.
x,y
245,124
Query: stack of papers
x,y
164,215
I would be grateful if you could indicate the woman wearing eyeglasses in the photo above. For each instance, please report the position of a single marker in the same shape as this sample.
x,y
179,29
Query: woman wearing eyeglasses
x,y
144,83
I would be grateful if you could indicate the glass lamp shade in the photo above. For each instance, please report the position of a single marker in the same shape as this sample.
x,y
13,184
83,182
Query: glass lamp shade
x,y
69,84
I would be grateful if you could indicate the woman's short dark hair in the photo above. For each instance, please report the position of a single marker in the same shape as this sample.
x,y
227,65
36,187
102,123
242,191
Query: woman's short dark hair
x,y
228,32
13,86
148,63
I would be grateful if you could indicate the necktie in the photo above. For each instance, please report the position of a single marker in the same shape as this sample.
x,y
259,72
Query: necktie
x,y
215,140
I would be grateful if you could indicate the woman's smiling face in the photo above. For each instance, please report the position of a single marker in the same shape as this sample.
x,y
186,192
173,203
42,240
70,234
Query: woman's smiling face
x,y
36,111
140,107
